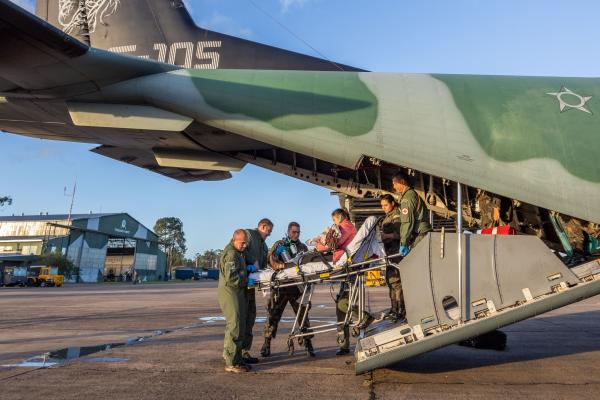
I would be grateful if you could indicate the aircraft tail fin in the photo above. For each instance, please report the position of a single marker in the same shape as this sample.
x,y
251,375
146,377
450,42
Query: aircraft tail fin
x,y
165,31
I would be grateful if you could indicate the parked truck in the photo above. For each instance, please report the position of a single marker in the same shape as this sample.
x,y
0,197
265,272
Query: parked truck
x,y
45,276
14,276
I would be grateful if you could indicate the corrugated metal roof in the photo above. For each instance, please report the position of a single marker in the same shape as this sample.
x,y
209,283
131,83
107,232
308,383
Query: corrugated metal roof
x,y
20,238
52,217
64,217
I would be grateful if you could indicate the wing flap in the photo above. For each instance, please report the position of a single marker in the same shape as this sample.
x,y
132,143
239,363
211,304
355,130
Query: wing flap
x,y
197,160
145,159
125,116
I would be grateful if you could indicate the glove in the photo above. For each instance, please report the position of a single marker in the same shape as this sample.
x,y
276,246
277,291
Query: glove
x,y
404,251
251,268
280,249
251,282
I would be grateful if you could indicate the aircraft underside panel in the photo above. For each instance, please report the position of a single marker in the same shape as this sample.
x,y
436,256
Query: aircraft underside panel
x,y
504,279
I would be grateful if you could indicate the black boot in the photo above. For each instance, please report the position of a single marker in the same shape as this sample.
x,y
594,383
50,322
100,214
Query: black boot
x,y
265,350
248,359
342,351
310,351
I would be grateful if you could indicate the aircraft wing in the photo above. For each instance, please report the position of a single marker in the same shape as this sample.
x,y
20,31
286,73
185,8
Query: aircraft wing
x,y
42,68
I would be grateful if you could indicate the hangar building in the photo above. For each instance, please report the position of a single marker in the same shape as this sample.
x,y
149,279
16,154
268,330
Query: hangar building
x,y
103,246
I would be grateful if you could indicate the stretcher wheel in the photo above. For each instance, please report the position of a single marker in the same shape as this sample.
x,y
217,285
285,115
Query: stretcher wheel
x,y
291,347
341,338
355,332
300,341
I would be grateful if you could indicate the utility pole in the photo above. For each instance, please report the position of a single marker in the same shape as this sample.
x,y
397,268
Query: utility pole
x,y
72,194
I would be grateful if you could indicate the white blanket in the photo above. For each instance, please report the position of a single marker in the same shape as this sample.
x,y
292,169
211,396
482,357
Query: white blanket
x,y
364,246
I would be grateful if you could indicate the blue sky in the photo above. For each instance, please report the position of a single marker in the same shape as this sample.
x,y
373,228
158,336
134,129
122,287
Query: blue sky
x,y
526,37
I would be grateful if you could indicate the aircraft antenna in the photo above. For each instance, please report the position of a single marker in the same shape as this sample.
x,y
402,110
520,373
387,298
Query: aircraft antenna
x,y
282,25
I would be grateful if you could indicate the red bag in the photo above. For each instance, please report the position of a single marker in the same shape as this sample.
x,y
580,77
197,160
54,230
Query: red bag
x,y
499,230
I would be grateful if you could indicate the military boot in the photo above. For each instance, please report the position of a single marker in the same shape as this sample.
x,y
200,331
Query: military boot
x,y
265,350
310,351
248,359
392,314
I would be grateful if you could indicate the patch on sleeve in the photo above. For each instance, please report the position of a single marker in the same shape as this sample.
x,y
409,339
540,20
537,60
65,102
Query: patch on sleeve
x,y
405,211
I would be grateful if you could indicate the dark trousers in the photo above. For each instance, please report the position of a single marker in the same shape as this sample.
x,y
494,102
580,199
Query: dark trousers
x,y
250,319
277,302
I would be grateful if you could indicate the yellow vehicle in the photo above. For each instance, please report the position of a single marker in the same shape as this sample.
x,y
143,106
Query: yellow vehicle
x,y
45,276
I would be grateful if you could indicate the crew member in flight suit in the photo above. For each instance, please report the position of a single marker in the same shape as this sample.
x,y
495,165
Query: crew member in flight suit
x,y
414,225
233,300
414,221
255,254
390,236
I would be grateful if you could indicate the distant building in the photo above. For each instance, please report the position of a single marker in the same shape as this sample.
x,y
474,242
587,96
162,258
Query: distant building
x,y
103,246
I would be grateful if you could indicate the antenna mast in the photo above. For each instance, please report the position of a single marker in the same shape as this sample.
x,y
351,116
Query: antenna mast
x,y
72,200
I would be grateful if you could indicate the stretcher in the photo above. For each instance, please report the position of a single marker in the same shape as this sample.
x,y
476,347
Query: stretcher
x,y
364,253
313,266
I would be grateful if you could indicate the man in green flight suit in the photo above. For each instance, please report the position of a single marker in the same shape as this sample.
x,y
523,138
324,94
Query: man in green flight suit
x,y
405,224
233,300
255,254
281,256
414,221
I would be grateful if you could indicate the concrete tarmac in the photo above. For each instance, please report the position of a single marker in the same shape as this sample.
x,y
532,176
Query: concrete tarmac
x,y
553,356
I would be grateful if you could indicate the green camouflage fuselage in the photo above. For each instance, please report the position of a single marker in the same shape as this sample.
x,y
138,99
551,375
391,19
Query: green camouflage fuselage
x,y
528,138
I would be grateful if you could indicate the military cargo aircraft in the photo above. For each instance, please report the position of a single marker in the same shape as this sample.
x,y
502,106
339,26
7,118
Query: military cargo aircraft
x,y
140,79
156,91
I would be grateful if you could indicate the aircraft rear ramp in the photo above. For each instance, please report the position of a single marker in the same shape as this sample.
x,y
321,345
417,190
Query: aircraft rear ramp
x,y
503,280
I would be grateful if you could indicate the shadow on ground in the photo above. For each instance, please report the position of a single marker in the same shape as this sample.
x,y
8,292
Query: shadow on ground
x,y
534,339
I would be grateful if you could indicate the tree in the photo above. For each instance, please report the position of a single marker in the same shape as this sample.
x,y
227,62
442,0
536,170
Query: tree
x,y
171,240
178,259
208,259
65,266
5,200
189,263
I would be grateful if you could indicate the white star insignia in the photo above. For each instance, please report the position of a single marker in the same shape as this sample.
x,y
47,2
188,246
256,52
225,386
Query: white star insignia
x,y
569,93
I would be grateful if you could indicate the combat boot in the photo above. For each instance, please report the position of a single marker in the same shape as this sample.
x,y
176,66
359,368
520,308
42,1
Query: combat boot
x,y
392,313
310,351
248,359
265,350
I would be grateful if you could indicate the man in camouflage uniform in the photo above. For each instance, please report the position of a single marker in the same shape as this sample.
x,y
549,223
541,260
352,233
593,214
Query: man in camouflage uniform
x,y
282,252
255,254
390,236
233,300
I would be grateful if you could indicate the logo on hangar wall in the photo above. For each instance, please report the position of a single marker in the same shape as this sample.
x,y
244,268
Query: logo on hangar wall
x,y
123,228
72,15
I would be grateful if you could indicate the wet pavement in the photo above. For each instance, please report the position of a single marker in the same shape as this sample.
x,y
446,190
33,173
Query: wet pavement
x,y
160,341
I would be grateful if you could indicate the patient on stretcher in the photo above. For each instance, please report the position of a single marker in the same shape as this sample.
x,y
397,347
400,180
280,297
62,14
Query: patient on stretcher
x,y
365,245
